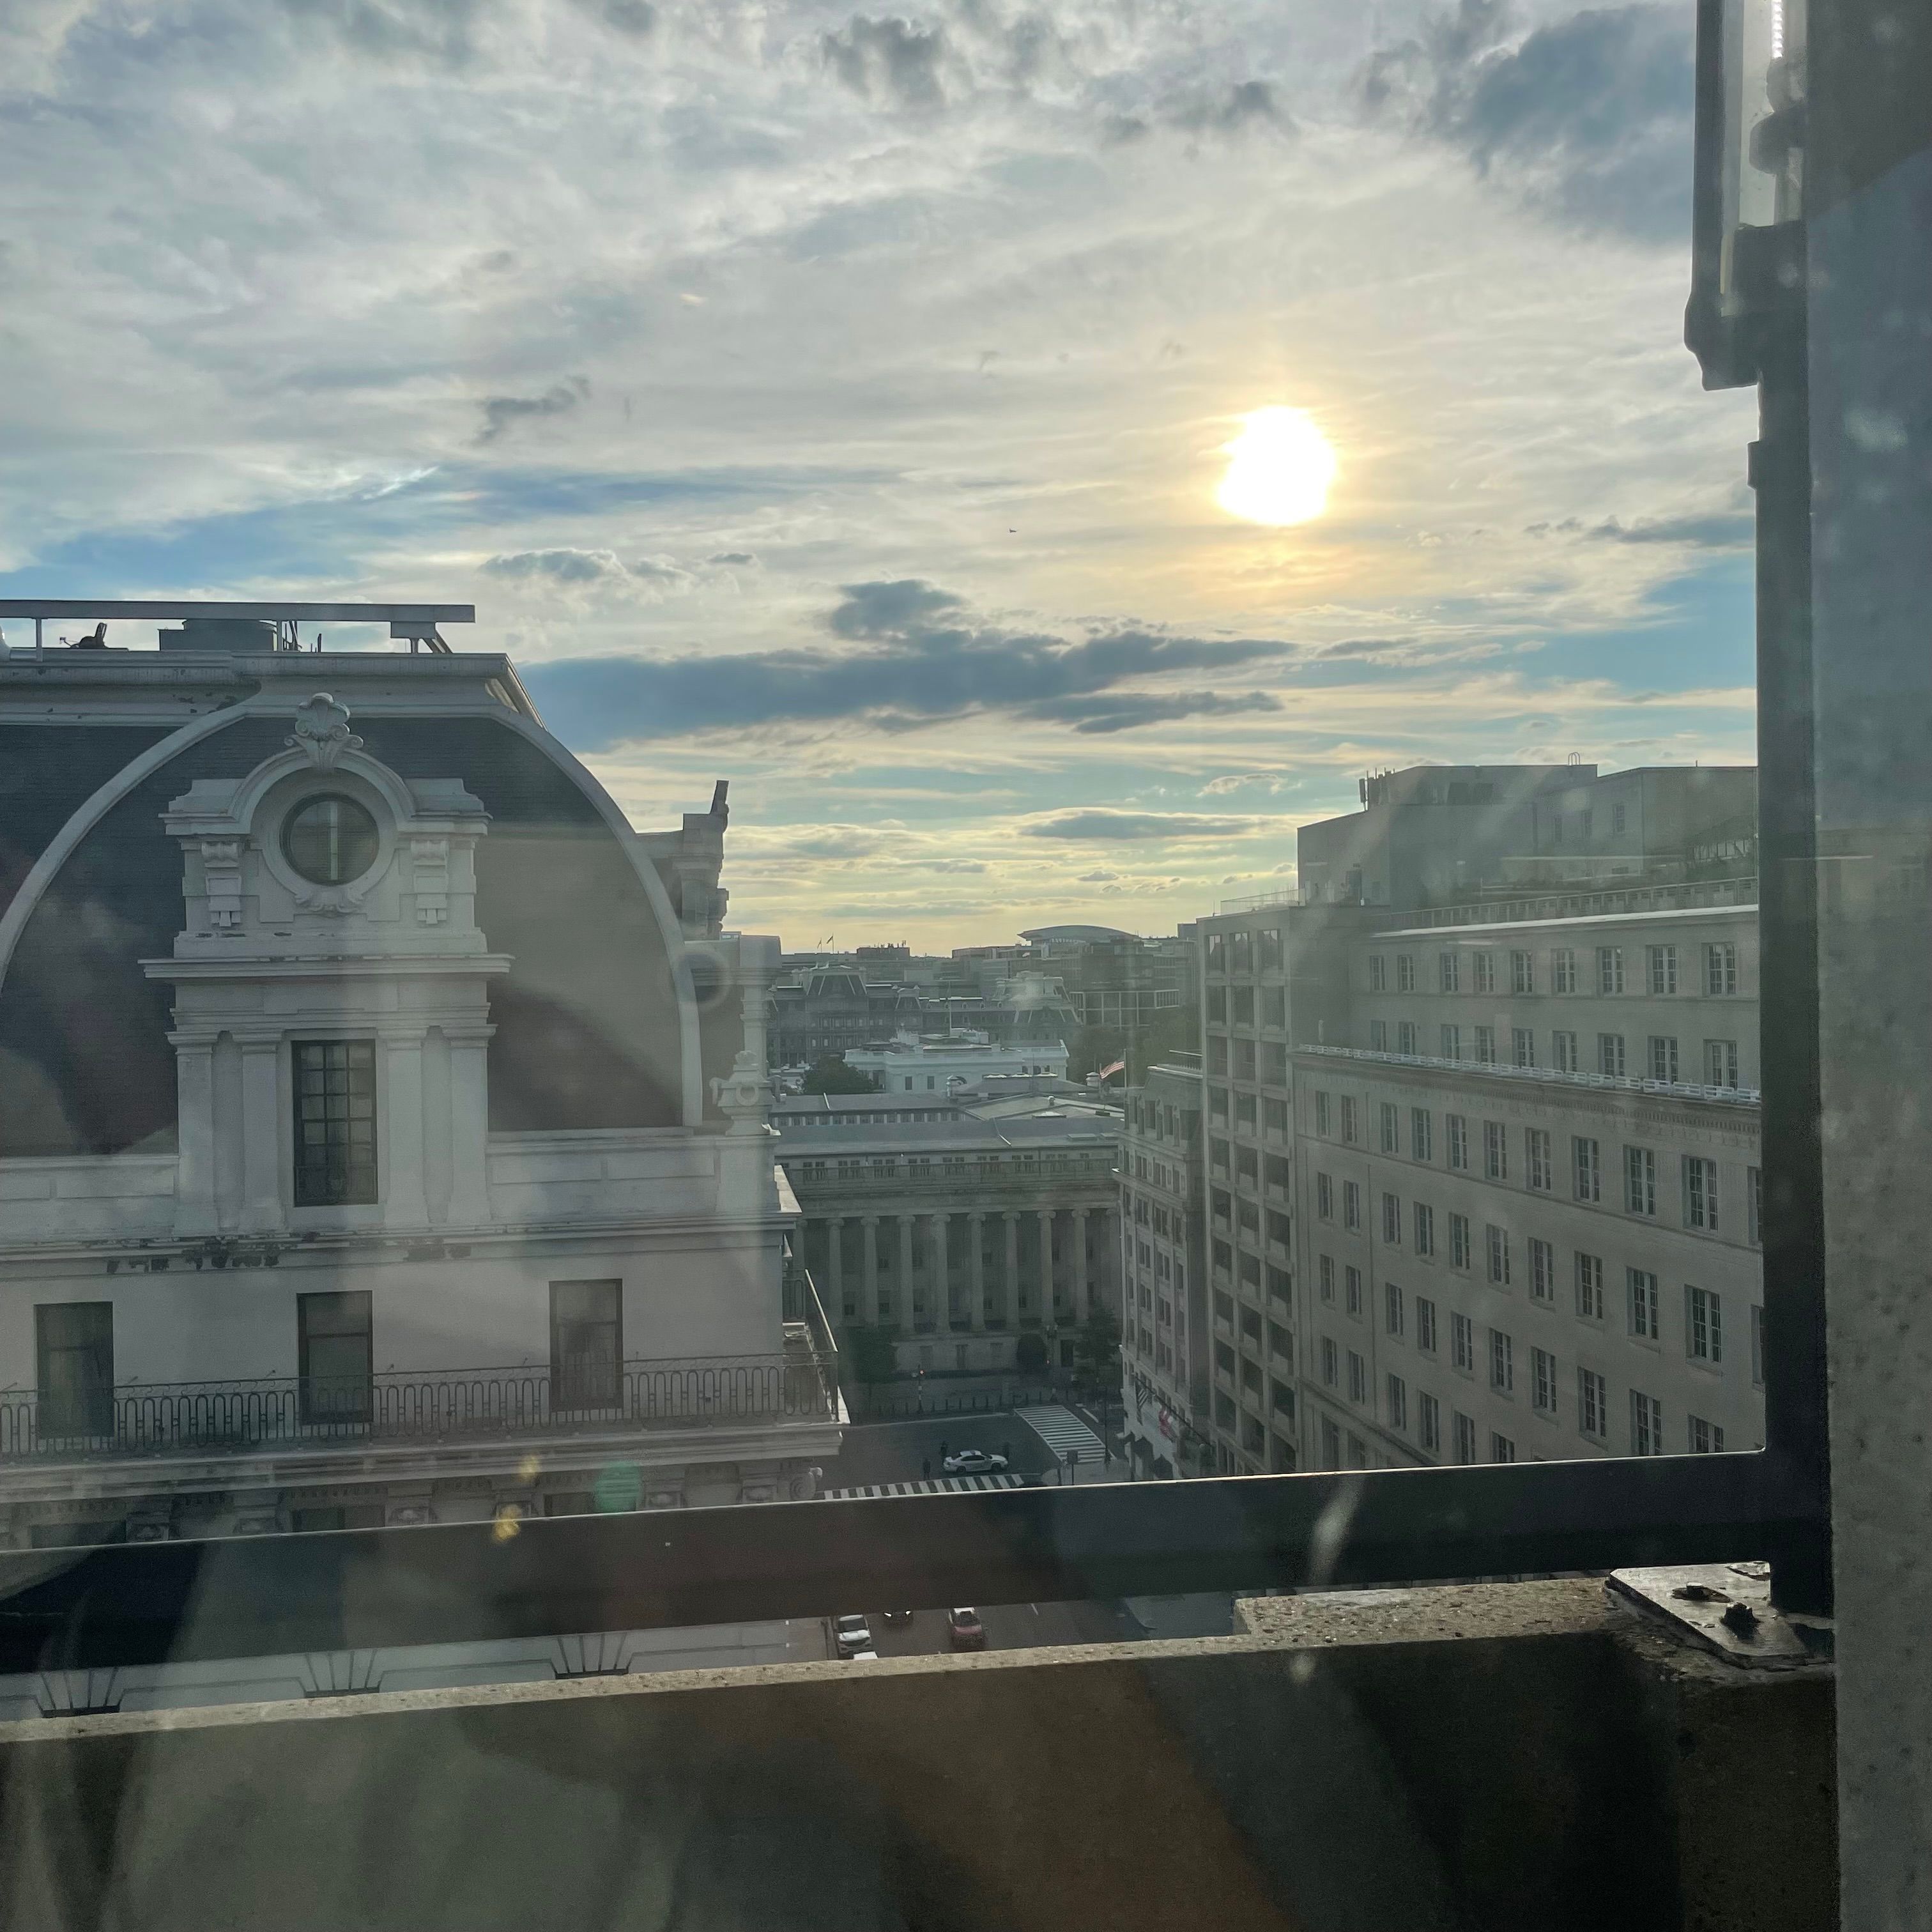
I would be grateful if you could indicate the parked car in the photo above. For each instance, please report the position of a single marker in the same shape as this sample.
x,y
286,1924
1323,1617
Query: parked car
x,y
896,1619
966,1630
973,1463
851,1634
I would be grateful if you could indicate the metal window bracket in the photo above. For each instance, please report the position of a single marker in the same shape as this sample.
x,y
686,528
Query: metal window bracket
x,y
1727,1608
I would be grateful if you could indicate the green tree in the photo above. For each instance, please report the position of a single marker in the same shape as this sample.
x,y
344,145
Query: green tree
x,y
830,1074
1097,1347
869,1355
1030,1354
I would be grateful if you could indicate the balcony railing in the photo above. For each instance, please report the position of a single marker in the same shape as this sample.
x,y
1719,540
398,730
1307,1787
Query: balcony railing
x,y
427,1405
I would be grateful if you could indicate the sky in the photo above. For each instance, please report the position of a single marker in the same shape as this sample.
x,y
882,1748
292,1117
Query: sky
x,y
834,401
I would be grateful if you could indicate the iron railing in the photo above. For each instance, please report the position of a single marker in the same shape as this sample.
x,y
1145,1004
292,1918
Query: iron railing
x,y
423,1406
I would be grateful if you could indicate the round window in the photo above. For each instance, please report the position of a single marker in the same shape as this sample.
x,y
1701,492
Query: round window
x,y
330,840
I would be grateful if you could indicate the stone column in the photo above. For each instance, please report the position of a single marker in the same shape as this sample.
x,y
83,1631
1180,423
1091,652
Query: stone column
x,y
975,1231
835,1267
941,1270
261,1135
1080,1290
469,1125
868,1268
1012,1267
405,1201
1046,1311
194,1090
905,1274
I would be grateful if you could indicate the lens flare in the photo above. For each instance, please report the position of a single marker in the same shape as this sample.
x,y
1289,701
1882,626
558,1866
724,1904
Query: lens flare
x,y
1280,468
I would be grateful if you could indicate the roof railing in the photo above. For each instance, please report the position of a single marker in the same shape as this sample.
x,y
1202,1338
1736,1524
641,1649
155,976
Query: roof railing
x,y
419,623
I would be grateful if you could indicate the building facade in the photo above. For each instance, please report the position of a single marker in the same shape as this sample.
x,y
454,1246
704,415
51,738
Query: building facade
x,y
1164,1341
954,1236
382,1130
952,1062
1498,1177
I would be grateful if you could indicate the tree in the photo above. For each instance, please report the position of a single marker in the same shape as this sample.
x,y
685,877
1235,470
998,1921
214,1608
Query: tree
x,y
869,1354
1030,1354
830,1074
1097,1346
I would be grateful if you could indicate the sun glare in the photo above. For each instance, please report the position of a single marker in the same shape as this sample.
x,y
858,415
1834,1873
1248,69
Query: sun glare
x,y
1280,468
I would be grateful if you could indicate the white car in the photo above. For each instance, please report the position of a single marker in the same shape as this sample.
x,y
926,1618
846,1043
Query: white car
x,y
973,1463
851,1634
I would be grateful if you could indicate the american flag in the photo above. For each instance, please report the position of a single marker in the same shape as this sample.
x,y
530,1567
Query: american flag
x,y
1118,1067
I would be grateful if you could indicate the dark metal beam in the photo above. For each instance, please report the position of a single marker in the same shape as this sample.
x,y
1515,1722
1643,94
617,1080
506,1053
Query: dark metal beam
x,y
461,1582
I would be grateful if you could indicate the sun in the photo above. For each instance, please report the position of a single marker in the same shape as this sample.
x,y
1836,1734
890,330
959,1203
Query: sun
x,y
1280,468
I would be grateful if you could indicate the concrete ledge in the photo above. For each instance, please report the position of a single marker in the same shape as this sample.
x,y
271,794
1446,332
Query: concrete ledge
x,y
1501,1756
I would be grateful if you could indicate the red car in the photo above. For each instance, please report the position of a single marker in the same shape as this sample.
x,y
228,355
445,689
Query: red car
x,y
966,1630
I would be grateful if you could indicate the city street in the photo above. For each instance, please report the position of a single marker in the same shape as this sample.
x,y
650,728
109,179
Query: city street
x,y
900,1452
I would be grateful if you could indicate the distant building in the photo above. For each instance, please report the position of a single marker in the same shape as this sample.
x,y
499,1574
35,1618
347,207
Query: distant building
x,y
1117,980
955,1062
831,1009
955,1235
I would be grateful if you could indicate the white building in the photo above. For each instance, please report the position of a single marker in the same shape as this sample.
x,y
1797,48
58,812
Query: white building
x,y
382,1133
951,1063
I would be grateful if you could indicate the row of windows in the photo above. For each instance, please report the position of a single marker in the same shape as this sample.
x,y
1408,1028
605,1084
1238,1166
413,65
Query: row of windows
x,y
1266,951
1564,970
1662,1059
1704,1332
1243,1109
1237,1006
1241,1058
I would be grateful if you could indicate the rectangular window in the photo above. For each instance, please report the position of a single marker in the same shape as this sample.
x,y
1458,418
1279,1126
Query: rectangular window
x,y
1485,1046
1502,1449
1321,1114
1274,1118
74,1368
1643,1311
1451,1043
1543,1381
1425,1229
1459,1242
1522,973
1331,1445
1428,1421
1325,1275
1358,1377
1700,1193
1352,1290
1462,1341
1398,1403
1378,973
1522,1046
1349,1133
1425,1325
1610,969
1274,1006
1391,1222
1495,1151
1499,1254
1564,1054
1563,970
1325,1198
1270,939
1662,961
1217,1054
1485,965
1502,1362
1392,1308
1465,1437
1405,1040
1389,1120
586,1343
335,1122
1646,1424
1720,1063
1458,1139
1639,1180
1331,1361
1720,969
1378,1036
1540,1162
1586,1163
1707,1439
1421,1134
1449,972
1352,1206
1542,1271
1593,1413
1610,1054
1590,1287
1663,1056
1243,1007
1703,1327
1405,972
334,1355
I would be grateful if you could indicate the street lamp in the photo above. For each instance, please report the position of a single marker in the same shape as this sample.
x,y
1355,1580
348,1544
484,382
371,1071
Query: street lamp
x,y
1747,233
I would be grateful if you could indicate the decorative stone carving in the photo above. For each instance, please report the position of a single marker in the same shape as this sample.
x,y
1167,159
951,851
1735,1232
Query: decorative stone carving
x,y
429,865
221,869
742,1095
321,730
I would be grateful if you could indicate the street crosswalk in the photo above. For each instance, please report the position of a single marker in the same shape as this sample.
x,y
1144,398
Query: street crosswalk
x,y
1063,1431
930,1486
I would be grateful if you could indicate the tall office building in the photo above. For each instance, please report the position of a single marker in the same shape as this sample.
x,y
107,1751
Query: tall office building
x,y
1493,1154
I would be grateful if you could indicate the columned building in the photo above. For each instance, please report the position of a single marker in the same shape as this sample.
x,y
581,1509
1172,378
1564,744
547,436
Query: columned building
x,y
951,1235
383,1128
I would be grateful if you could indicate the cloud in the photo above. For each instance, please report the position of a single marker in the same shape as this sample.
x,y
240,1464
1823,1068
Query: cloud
x,y
896,59
1099,878
500,413
443,32
1106,824
557,566
1246,104
1129,710
954,865
1587,119
731,557
634,18
1716,529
